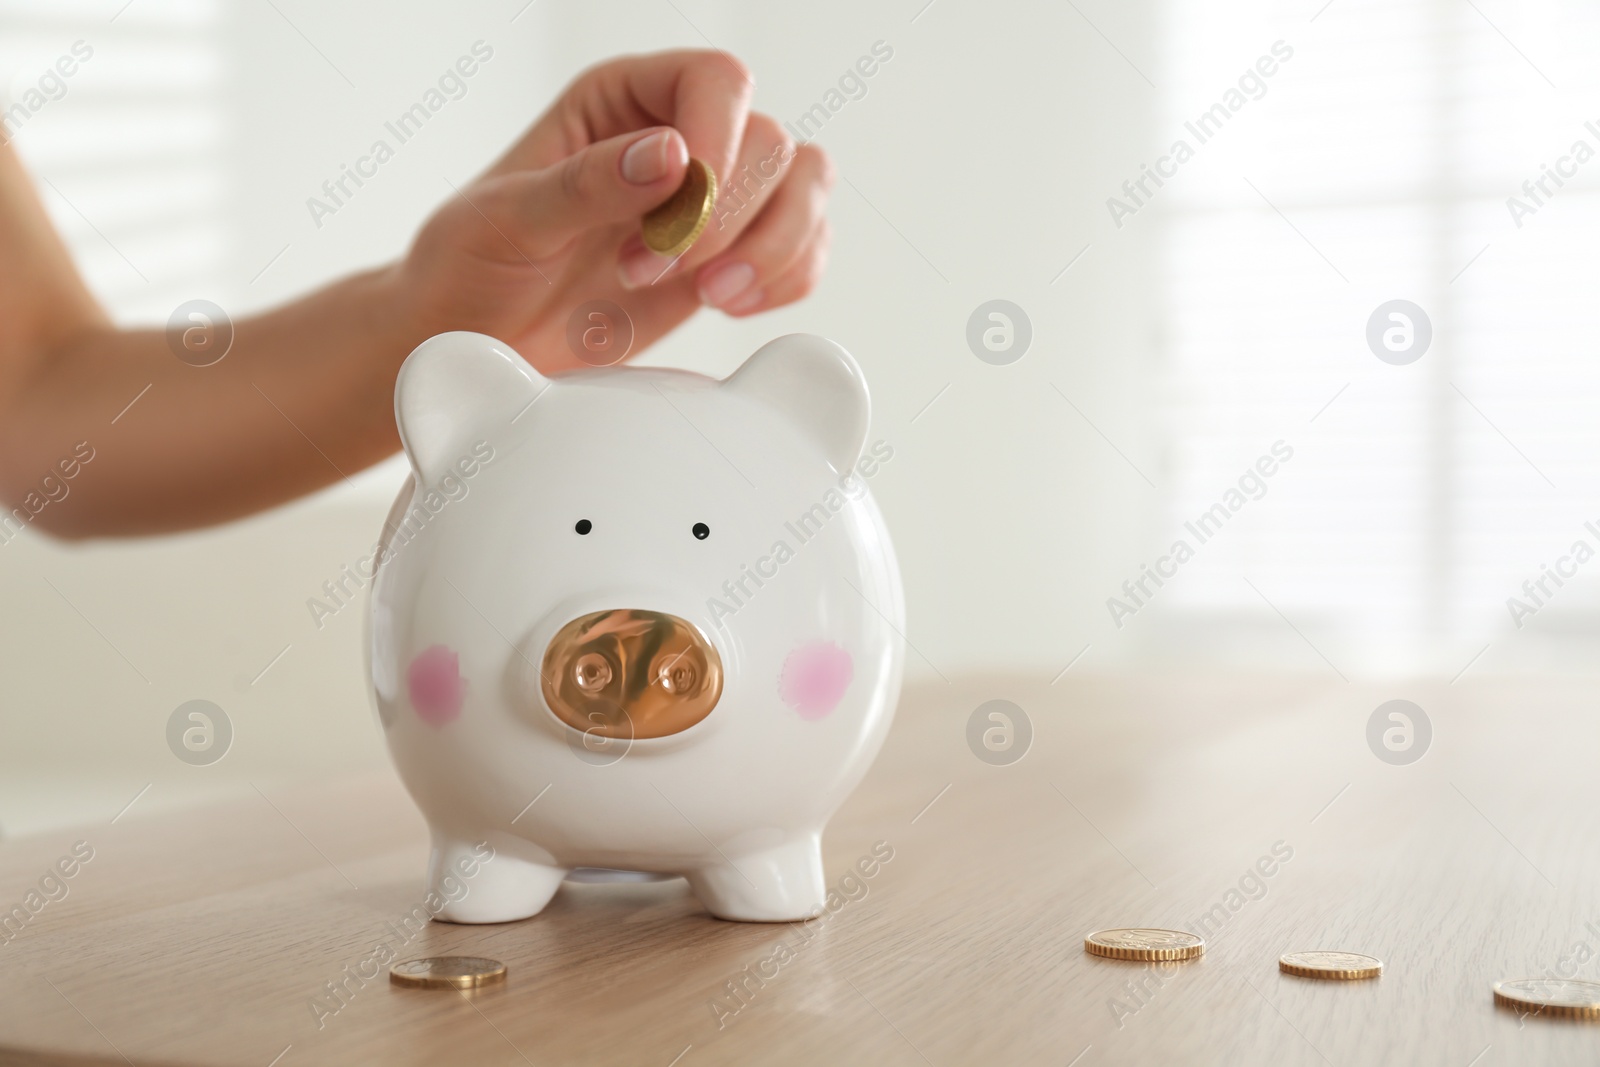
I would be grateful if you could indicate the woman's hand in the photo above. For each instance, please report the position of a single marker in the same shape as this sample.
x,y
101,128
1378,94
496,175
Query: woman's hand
x,y
555,223
305,395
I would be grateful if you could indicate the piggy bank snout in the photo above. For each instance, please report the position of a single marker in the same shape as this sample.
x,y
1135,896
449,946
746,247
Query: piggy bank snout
x,y
630,673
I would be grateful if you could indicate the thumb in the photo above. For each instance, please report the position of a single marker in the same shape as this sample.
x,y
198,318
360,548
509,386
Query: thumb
x,y
608,182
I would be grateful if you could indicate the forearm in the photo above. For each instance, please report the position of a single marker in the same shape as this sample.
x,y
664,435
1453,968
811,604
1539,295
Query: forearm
x,y
302,399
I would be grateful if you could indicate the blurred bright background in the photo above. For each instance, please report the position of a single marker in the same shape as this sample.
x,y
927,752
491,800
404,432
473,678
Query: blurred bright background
x,y
1171,347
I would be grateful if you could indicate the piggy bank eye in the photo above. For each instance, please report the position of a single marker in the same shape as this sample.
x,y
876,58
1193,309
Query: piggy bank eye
x,y
701,531
584,526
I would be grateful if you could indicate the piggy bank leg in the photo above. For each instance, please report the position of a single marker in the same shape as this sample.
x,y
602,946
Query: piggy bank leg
x,y
780,884
502,889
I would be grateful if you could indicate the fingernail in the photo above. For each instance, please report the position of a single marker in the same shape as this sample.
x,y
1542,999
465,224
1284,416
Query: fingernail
x,y
749,300
641,267
650,159
720,286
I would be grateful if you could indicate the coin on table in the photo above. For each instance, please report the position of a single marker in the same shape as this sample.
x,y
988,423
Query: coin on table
x,y
1329,963
448,972
671,228
1564,997
1139,943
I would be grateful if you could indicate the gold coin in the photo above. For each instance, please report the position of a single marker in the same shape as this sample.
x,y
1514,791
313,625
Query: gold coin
x,y
448,972
1562,997
671,228
1137,943
1329,963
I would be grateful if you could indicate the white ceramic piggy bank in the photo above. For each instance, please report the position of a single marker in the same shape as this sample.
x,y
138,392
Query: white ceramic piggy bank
x,y
634,619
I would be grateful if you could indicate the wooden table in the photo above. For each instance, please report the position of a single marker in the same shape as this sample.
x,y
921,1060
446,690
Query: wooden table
x,y
201,937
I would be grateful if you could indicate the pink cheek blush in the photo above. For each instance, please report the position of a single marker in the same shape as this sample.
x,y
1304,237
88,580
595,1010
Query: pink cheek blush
x,y
434,681
814,679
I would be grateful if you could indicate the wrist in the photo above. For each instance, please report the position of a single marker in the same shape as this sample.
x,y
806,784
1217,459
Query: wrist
x,y
389,314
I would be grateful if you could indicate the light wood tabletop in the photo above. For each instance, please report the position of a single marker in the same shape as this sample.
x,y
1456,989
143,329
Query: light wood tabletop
x,y
1249,809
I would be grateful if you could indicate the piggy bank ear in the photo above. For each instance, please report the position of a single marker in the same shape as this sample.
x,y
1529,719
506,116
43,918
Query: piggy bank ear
x,y
454,390
814,384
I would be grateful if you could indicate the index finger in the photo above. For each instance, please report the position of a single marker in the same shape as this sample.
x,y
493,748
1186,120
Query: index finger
x,y
704,94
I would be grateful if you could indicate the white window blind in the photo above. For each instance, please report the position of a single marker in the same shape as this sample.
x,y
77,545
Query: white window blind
x,y
128,150
1376,166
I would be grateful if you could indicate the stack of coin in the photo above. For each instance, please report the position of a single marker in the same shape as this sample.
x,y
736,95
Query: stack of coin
x,y
1141,943
671,228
